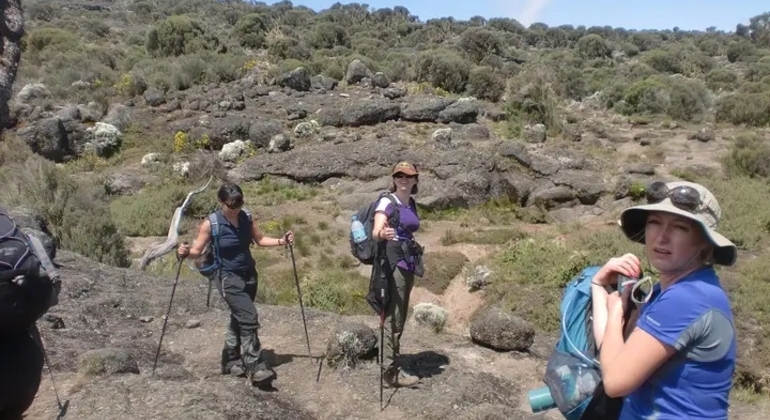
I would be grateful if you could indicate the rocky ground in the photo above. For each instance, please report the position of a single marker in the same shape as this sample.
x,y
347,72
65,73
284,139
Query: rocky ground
x,y
344,138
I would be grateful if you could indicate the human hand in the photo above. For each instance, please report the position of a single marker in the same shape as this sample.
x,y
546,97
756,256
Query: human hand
x,y
627,265
288,238
183,250
617,303
387,233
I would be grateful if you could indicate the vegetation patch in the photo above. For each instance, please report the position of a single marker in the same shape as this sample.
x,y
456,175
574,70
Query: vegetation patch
x,y
440,268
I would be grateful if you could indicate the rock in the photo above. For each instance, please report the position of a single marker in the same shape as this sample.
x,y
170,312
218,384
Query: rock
x,y
261,131
31,92
424,109
462,112
280,143
306,129
297,79
349,343
534,134
232,151
501,330
394,93
107,361
119,116
443,136
321,82
370,112
48,138
129,180
151,158
193,323
105,139
705,134
356,71
46,240
478,278
380,80
430,315
154,97
28,219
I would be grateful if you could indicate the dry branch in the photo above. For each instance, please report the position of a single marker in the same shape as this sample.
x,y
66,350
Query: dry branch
x,y
170,244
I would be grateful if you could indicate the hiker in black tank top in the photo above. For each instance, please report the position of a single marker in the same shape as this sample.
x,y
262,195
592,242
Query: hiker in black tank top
x,y
237,282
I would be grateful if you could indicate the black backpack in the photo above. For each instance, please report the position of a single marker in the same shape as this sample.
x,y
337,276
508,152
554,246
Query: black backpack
x,y
366,250
29,284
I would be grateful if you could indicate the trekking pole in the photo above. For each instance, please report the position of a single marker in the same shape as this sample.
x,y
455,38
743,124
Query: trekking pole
x,y
382,353
168,312
62,407
208,295
299,295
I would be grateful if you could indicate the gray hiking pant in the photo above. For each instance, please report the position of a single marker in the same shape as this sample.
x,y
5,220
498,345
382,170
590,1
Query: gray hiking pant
x,y
241,337
395,313
21,369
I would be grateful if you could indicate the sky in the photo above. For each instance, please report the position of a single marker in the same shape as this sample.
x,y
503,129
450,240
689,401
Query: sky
x,y
629,14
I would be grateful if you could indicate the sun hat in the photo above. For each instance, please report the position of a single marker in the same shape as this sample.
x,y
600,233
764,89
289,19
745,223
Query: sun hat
x,y
405,167
686,199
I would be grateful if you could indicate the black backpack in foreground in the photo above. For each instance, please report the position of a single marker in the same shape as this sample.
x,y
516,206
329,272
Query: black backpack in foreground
x,y
29,285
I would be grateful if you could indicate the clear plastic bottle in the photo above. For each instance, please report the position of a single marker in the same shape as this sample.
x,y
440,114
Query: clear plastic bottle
x,y
357,230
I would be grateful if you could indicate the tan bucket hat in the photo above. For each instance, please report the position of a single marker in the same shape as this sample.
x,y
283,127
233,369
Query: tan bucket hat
x,y
686,199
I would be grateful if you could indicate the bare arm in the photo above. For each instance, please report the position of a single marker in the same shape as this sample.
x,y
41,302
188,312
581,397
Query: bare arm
x,y
204,235
380,221
599,312
263,240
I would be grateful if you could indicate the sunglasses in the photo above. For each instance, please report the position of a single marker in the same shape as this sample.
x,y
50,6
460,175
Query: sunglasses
x,y
683,197
403,175
234,205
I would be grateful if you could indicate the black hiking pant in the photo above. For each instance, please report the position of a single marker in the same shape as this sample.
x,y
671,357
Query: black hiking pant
x,y
21,369
241,337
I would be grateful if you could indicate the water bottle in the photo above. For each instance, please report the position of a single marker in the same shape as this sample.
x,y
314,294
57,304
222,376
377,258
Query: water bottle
x,y
357,230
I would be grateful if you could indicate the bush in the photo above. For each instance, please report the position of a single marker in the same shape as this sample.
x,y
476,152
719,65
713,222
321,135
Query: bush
x,y
77,214
149,212
528,276
676,97
752,109
748,156
443,69
484,83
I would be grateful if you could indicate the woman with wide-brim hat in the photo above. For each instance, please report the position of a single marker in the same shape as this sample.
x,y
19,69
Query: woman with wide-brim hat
x,y
678,359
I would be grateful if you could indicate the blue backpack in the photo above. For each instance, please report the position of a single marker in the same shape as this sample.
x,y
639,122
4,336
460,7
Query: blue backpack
x,y
572,374
210,263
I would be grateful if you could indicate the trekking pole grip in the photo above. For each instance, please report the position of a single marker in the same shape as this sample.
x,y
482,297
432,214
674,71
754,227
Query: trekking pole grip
x,y
178,257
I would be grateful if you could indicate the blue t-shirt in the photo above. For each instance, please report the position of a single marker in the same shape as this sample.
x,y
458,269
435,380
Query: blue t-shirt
x,y
694,316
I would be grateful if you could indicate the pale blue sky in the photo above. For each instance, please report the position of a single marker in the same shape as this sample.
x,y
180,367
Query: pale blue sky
x,y
629,14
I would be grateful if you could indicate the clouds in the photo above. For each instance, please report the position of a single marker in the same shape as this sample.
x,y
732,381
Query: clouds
x,y
527,14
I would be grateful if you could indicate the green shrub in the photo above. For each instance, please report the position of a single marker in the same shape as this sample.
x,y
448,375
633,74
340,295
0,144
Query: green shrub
x,y
748,156
721,79
149,212
484,83
177,35
443,69
77,214
752,109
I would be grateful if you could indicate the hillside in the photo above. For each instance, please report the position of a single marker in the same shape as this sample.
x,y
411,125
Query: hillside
x,y
529,140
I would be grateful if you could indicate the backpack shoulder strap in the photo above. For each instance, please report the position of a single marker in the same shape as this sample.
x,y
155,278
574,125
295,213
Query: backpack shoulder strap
x,y
396,214
214,224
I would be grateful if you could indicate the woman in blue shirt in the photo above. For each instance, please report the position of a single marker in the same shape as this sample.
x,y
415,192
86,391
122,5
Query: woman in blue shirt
x,y
679,358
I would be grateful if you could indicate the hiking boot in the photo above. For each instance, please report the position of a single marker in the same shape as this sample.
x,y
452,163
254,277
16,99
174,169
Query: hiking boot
x,y
396,378
262,376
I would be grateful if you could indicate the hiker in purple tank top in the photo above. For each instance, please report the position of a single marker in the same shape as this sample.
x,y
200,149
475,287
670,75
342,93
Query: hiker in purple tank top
x,y
401,265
